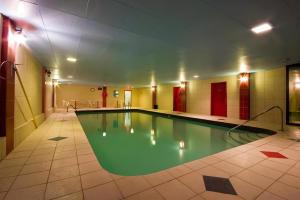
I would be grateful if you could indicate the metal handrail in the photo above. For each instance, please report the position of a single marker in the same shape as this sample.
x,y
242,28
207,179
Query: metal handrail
x,y
252,118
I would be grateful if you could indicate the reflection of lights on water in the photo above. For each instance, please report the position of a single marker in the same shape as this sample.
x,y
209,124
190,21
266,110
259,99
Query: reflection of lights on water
x,y
181,144
153,142
152,132
131,130
104,134
180,153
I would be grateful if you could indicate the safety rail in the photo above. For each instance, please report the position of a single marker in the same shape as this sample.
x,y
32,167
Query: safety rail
x,y
252,118
75,104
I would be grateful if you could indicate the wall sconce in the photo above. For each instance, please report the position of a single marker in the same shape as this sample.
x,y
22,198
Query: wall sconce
x,y
297,85
153,88
244,77
181,144
182,85
131,130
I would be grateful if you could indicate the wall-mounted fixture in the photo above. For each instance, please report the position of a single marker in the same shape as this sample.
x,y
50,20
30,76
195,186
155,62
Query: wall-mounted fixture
x,y
244,77
72,59
262,28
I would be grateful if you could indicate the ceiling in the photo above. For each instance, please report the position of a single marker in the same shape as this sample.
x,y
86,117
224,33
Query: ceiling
x,y
136,42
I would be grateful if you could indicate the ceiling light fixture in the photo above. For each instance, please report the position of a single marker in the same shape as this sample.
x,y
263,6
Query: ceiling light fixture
x,y
70,76
196,76
71,59
262,28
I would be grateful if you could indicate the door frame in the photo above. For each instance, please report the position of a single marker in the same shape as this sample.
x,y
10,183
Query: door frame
x,y
211,99
130,96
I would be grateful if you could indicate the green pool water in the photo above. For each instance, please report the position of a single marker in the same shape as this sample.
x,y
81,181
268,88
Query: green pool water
x,y
137,143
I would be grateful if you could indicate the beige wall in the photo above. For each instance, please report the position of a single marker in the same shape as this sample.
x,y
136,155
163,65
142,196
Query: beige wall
x,y
31,74
199,93
83,94
48,96
268,89
165,97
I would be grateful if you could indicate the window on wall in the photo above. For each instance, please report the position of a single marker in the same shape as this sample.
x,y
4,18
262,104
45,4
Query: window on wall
x,y
293,94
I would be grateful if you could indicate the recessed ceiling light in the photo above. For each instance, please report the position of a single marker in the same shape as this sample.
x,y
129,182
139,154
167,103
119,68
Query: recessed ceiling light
x,y
70,76
71,59
196,76
262,28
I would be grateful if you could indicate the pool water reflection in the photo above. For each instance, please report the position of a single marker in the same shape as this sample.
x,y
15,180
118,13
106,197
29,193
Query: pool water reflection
x,y
136,143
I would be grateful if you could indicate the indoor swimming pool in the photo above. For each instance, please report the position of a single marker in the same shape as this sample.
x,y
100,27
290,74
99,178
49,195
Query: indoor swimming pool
x,y
138,143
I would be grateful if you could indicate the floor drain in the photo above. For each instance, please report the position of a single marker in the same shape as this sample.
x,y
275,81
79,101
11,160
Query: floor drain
x,y
58,138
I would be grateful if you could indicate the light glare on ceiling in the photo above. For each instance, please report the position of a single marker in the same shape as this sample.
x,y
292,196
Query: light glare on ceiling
x,y
262,28
71,59
70,76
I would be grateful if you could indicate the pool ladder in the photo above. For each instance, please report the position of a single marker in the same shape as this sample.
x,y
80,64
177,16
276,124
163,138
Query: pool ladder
x,y
252,118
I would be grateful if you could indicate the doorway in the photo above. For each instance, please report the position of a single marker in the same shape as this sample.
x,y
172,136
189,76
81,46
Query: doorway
x,y
127,98
179,99
219,99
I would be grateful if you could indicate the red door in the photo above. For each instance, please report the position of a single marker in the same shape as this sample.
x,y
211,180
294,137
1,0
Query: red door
x,y
176,98
219,99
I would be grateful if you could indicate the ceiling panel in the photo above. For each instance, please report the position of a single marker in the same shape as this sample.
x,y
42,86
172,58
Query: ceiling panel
x,y
132,41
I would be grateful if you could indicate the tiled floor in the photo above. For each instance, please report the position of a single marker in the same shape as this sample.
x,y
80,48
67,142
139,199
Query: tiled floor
x,y
66,168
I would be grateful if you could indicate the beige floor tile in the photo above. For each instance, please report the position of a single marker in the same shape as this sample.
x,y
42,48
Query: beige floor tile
x,y
211,159
30,180
116,177
45,151
89,167
108,191
74,196
227,154
95,178
244,160
244,189
228,167
275,165
12,162
288,162
290,180
36,167
2,195
268,147
63,187
198,197
86,158
213,171
294,171
10,171
174,190
292,154
64,154
39,158
21,154
63,172
196,164
219,196
255,179
64,162
146,195
158,178
65,148
132,185
194,181
84,151
5,183
268,196
29,193
285,191
265,171
179,171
